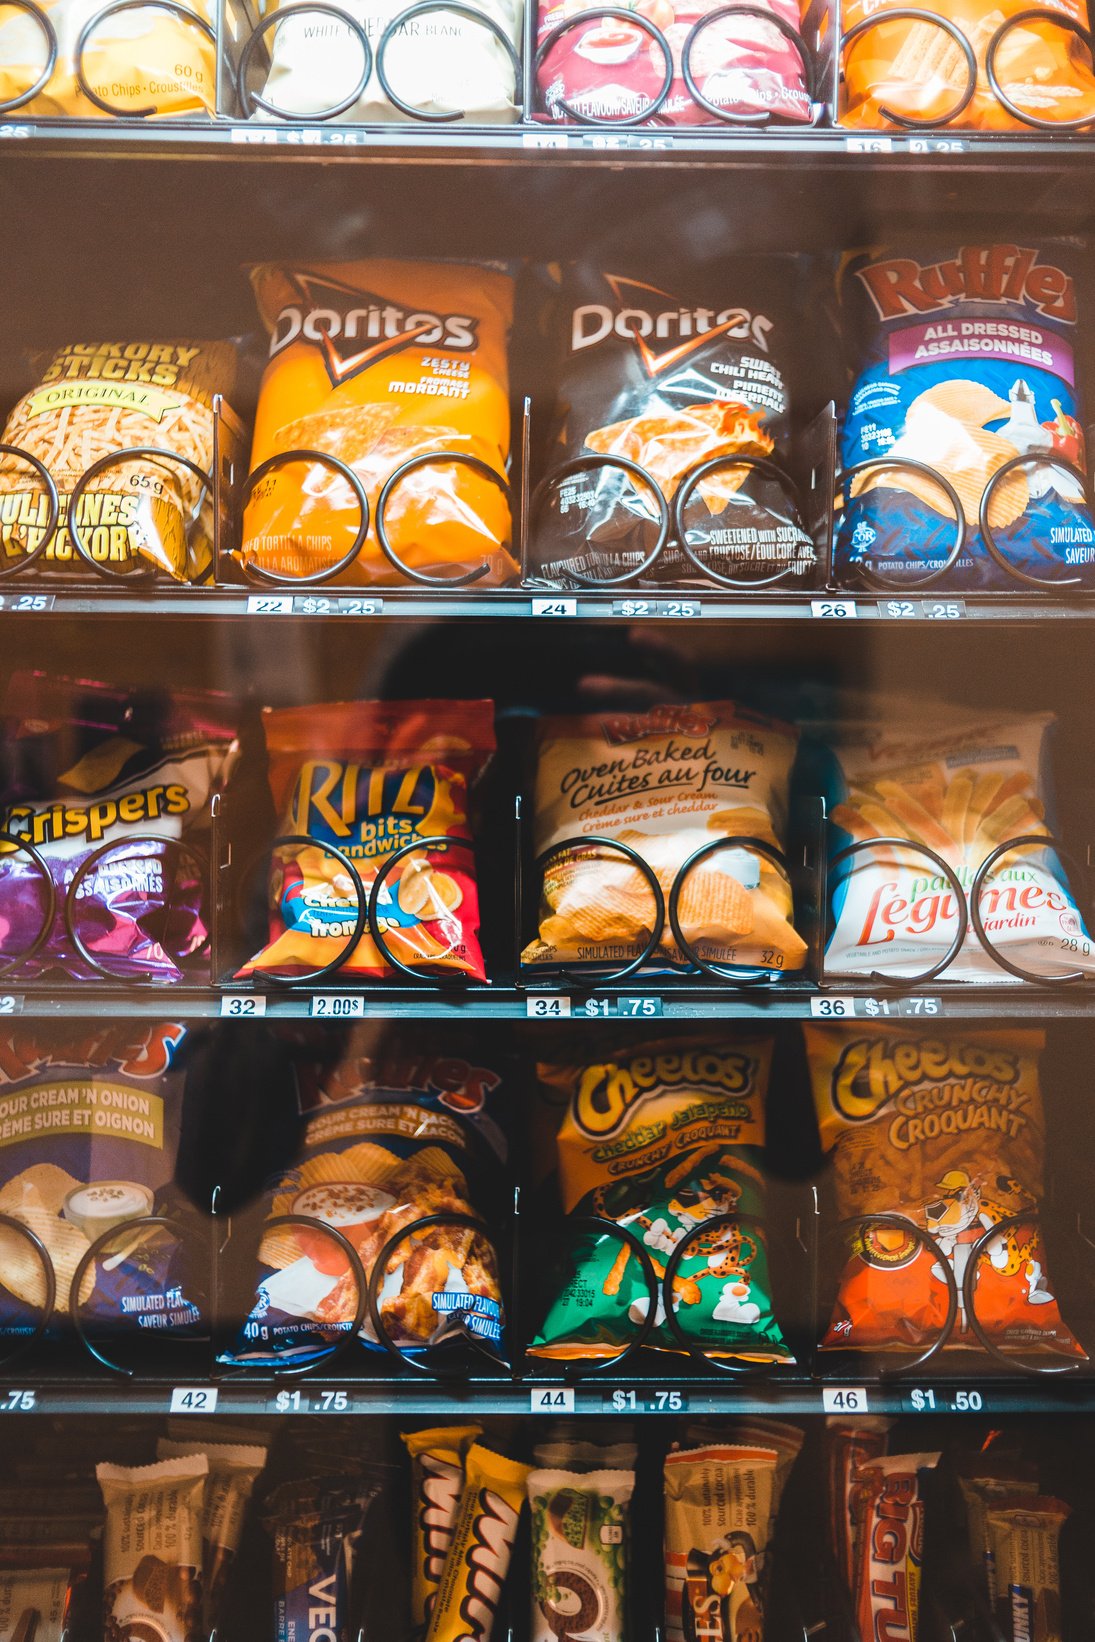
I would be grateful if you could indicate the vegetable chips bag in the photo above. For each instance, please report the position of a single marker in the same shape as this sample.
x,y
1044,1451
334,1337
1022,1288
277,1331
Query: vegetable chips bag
x,y
662,1137
393,1136
964,361
89,1134
376,363
915,68
368,778
947,1133
670,380
607,69
665,783
143,62
128,774
961,792
92,400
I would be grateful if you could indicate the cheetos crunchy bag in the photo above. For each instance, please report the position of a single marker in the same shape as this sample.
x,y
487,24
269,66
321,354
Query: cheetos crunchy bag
x,y
356,781
948,1134
374,364
661,1138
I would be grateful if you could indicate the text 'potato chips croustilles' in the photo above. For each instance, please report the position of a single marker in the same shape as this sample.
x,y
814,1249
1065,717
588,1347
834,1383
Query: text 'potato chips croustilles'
x,y
664,782
961,791
661,1138
889,1506
375,363
89,1134
393,1139
88,768
439,62
964,361
368,778
947,1133
95,399
606,69
140,61
916,69
670,381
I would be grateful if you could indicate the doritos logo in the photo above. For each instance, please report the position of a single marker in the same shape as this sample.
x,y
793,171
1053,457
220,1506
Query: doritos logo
x,y
978,273
664,333
354,329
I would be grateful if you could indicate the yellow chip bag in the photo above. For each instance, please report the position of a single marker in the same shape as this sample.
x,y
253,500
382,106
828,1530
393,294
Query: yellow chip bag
x,y
372,365
664,783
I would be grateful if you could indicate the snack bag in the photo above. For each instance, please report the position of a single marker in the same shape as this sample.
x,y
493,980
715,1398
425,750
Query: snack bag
x,y
662,1137
890,1537
441,62
437,1485
376,363
143,62
961,789
369,777
89,1134
849,1443
581,1550
666,782
396,1136
609,70
914,68
88,767
152,1549
964,361
656,379
482,1545
947,1133
93,399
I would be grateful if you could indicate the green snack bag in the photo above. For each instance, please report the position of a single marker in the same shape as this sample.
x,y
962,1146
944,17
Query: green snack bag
x,y
580,1539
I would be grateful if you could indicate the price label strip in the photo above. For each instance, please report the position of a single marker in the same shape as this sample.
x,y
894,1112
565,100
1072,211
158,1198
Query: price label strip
x,y
872,1009
844,1399
193,1399
244,1007
18,1402
922,609
673,609
555,607
270,604
644,1402
301,1402
16,603
640,1008
338,1006
925,1400
834,609
314,604
11,1003
553,1399
547,1007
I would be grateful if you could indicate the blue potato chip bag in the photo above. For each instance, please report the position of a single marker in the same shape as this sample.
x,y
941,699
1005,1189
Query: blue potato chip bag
x,y
964,361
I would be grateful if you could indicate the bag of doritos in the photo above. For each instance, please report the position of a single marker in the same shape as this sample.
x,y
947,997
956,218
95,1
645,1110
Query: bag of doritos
x,y
964,362
609,70
369,777
918,70
662,1137
645,375
87,768
947,1133
375,363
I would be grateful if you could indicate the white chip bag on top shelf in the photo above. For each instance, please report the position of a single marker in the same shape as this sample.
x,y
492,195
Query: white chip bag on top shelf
x,y
440,62
960,789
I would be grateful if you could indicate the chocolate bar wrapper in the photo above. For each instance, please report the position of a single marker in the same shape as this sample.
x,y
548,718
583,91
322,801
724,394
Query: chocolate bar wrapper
x,y
482,1543
889,1529
848,1445
1025,1534
152,1549
233,1468
437,1484
580,1554
984,1486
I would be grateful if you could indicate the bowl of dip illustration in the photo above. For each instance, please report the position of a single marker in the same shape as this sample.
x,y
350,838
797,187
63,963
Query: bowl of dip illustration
x,y
349,1206
104,1204
612,42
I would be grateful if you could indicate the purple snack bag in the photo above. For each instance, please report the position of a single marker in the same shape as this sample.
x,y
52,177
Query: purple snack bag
x,y
89,768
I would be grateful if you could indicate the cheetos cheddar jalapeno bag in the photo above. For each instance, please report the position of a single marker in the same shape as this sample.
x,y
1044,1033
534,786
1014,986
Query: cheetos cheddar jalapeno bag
x,y
373,364
948,1134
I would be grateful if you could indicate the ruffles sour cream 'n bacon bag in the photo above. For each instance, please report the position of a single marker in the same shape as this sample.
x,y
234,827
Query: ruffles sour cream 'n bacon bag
x,y
947,1133
961,791
369,777
375,363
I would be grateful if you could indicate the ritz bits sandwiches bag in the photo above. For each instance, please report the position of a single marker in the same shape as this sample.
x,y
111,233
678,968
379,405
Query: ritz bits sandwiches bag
x,y
964,361
375,363
144,62
661,1138
368,778
608,69
947,1133
914,68
961,791
93,400
664,782
670,381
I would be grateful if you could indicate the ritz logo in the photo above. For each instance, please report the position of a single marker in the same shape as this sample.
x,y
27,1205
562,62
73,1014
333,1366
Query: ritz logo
x,y
354,329
872,1073
664,335
607,1093
979,273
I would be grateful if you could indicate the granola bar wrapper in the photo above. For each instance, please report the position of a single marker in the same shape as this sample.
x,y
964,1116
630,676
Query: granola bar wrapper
x,y
1025,1532
580,1554
890,1540
984,1485
721,1503
35,1603
152,1550
233,1469
849,1444
665,783
437,1485
318,1527
482,1543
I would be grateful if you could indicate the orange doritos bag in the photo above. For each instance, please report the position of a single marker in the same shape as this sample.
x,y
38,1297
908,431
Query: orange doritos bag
x,y
368,777
375,363
919,72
